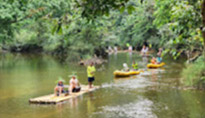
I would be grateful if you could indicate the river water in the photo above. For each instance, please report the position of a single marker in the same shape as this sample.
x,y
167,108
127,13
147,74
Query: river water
x,y
156,93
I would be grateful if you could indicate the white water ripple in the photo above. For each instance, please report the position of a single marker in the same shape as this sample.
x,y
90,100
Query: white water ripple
x,y
140,109
140,82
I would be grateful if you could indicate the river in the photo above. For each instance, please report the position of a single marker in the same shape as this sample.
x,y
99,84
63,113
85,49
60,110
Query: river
x,y
156,93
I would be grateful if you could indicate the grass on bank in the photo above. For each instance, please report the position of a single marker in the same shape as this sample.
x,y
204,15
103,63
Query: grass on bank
x,y
194,74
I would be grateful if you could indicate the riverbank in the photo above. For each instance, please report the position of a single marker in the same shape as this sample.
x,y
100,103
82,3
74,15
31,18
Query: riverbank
x,y
96,60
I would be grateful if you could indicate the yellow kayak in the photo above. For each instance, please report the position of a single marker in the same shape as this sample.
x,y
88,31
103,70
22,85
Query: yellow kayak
x,y
155,65
118,73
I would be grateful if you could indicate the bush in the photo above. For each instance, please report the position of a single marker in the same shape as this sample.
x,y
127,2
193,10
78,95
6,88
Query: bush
x,y
24,41
194,74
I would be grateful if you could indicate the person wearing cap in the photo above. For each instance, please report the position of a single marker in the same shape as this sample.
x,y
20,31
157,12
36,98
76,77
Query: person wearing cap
x,y
91,73
74,84
125,67
59,88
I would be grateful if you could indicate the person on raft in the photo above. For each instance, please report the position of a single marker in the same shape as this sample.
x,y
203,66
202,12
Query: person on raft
x,y
91,73
153,60
125,67
159,56
134,65
144,51
59,88
74,84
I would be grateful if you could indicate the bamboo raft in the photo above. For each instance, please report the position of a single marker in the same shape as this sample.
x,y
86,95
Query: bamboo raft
x,y
52,99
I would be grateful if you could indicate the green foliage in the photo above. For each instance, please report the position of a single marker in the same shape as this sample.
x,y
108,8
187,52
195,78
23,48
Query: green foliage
x,y
84,27
94,8
178,23
16,13
162,13
194,74
137,28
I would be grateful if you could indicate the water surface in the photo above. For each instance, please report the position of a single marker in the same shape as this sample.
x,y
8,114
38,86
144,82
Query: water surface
x,y
153,94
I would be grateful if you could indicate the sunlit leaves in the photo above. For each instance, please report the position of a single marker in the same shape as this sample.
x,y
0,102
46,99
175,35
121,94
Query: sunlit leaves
x,y
16,13
183,18
94,8
130,9
162,13
122,9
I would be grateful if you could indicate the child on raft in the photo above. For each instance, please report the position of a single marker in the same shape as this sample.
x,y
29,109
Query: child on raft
x,y
59,88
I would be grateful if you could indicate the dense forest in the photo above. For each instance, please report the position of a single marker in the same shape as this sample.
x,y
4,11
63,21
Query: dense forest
x,y
82,28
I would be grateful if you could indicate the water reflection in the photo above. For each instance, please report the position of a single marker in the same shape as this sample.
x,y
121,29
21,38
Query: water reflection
x,y
90,106
154,78
74,102
142,96
130,54
145,60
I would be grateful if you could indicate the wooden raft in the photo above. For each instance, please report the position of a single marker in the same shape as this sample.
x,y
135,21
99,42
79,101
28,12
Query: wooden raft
x,y
51,99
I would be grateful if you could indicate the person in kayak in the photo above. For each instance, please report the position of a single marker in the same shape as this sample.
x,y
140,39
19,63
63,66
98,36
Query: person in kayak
x,y
125,67
153,60
134,65
74,84
159,56
91,73
59,88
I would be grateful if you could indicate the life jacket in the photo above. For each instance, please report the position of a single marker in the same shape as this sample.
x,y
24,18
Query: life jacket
x,y
135,66
153,61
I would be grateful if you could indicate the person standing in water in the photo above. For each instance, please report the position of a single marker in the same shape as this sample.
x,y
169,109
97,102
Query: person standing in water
x,y
130,48
115,49
144,51
91,73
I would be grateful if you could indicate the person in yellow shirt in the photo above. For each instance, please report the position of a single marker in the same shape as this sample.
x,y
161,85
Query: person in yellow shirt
x,y
91,73
134,65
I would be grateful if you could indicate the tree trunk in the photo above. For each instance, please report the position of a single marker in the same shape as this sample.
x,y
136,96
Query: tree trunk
x,y
203,24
